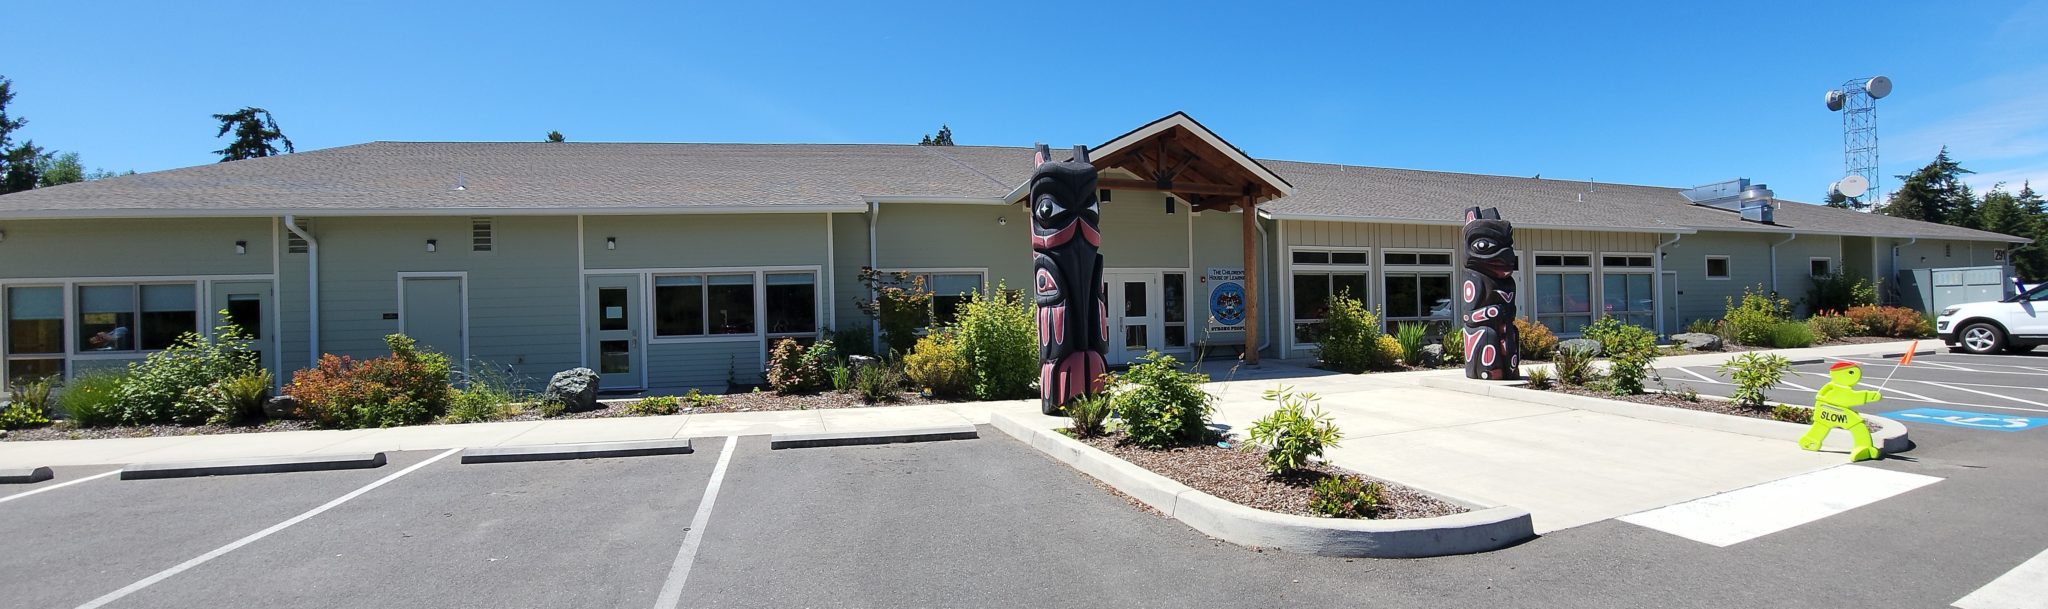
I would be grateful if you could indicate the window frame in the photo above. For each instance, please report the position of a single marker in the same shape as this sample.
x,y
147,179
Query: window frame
x,y
1630,269
1827,259
1186,298
204,319
759,276
74,317
1591,270
1416,271
1326,269
927,273
1707,267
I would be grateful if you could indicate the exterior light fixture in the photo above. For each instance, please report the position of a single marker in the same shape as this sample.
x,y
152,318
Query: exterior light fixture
x,y
611,243
1169,205
431,246
241,247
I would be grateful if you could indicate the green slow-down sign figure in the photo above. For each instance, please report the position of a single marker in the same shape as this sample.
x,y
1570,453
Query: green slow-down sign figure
x,y
1835,408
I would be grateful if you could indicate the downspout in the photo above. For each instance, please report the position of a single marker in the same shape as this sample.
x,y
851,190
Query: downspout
x,y
874,322
291,223
1265,287
1657,280
1774,260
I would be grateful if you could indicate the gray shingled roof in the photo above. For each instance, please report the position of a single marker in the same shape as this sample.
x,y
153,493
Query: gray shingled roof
x,y
419,177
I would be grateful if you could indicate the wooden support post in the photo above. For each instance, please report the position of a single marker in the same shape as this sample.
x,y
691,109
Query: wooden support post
x,y
1251,281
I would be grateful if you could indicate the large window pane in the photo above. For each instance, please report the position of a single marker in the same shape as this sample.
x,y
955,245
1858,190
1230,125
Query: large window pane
x,y
1352,285
106,318
31,369
678,306
1614,293
1578,293
792,303
1436,295
948,291
168,311
1311,296
1548,296
731,305
35,320
1403,296
1173,298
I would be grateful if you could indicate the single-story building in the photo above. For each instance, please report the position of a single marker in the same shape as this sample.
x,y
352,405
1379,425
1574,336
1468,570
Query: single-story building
x,y
671,266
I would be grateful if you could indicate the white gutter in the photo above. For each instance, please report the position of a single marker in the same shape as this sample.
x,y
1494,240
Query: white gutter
x,y
291,223
1518,224
1657,280
465,210
1774,259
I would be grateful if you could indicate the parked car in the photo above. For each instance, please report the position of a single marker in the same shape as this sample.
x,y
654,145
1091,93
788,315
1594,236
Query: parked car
x,y
2016,324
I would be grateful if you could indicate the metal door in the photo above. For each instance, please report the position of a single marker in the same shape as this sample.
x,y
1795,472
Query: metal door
x,y
433,316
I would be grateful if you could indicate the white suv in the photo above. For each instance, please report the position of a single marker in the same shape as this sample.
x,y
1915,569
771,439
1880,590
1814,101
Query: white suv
x,y
2016,324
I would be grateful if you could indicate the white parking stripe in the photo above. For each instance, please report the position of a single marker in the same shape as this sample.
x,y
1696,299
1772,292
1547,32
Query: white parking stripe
x,y
2002,397
2024,587
1698,375
1950,366
1797,386
254,537
672,592
1744,514
57,486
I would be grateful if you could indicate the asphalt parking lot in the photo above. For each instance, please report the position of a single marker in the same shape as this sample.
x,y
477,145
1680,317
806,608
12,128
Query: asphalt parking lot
x,y
1999,393
987,522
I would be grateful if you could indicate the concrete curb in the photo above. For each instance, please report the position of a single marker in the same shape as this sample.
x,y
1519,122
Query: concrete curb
x,y
25,475
564,452
1891,439
961,431
257,465
1481,530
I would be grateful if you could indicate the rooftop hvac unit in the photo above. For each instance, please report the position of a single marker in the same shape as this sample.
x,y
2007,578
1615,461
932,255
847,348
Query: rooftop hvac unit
x,y
1753,201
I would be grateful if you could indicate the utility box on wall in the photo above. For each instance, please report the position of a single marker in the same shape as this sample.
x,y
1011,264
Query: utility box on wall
x,y
1931,290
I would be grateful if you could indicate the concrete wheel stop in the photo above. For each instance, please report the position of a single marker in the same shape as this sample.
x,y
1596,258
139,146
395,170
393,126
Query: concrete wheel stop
x,y
565,452
25,475
887,436
257,465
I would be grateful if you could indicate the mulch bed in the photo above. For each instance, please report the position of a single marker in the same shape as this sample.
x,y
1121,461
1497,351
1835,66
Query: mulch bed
x,y
1239,476
766,401
62,430
1674,401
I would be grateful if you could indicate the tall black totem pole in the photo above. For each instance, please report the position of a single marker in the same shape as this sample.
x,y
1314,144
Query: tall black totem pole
x,y
1073,317
1493,347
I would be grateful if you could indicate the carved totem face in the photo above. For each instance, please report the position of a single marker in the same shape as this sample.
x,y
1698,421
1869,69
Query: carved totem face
x,y
1489,243
1065,243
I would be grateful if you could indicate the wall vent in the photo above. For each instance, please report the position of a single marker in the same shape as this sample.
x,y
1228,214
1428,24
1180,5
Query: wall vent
x,y
480,234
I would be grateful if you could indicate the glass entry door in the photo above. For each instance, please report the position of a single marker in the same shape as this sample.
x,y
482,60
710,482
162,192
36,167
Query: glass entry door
x,y
1135,315
614,329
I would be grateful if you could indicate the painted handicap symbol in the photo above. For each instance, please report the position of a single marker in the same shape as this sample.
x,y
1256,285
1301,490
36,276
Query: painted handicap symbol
x,y
1971,420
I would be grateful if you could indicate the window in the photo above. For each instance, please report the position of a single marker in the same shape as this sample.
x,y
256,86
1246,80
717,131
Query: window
x,y
792,303
480,234
1630,261
729,304
948,291
1417,258
108,316
1628,296
1820,267
1320,275
723,304
678,306
1717,267
1564,292
1418,289
35,332
1174,288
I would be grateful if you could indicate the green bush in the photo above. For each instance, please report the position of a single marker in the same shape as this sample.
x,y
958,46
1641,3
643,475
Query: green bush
x,y
1751,321
1838,292
901,304
159,387
1537,340
93,399
1792,414
1753,374
1160,405
1791,334
655,405
878,382
1831,327
28,403
999,336
842,377
1574,366
699,399
493,394
1631,352
1297,430
1539,377
1894,322
1703,326
793,370
1347,497
1348,340
1090,414
1412,336
939,363
1454,347
408,387
232,401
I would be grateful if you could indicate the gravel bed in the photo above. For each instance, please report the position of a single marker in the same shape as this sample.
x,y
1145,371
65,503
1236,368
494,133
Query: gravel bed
x,y
1239,476
1673,401
62,430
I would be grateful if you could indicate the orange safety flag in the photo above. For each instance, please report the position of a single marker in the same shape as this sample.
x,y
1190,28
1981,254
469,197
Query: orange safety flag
x,y
1907,360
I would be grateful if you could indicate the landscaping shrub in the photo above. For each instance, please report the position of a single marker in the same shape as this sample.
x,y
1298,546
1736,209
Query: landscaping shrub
x,y
1631,350
842,377
1751,321
1538,342
698,399
1574,366
1703,326
878,382
1090,414
158,387
93,399
1792,414
1834,326
791,370
1348,340
1753,374
232,401
655,405
1539,377
1347,497
1791,335
1160,405
1411,336
939,363
28,403
1894,322
1386,352
999,336
1454,347
901,304
1836,292
1295,431
492,394
407,387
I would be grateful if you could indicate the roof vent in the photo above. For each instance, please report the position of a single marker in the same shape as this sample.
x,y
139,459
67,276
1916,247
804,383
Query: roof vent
x,y
1753,201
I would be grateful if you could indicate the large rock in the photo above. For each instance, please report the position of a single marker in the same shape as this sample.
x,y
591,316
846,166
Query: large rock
x,y
1431,356
575,389
1698,341
1586,345
281,407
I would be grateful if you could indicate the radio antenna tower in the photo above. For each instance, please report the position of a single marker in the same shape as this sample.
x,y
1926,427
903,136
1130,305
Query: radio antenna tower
x,y
1857,101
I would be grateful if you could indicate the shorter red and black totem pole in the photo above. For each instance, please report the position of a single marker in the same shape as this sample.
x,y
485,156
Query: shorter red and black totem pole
x,y
1073,321
1493,347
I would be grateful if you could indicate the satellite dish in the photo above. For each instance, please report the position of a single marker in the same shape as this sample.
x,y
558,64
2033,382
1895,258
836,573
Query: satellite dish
x,y
1835,99
1853,186
1878,87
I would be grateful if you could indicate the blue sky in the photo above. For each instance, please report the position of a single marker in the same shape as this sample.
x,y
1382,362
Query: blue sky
x,y
1635,92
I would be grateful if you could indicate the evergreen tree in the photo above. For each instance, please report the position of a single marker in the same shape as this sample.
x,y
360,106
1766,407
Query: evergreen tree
x,y
255,130
555,137
944,138
1837,200
17,164
2003,213
1935,193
